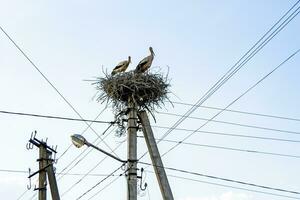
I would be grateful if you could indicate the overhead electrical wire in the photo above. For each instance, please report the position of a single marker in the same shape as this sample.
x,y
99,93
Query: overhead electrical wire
x,y
68,148
227,186
22,195
107,185
88,150
58,173
229,148
223,179
47,79
62,173
230,134
233,123
240,111
91,122
234,69
87,173
51,84
163,113
173,114
227,79
238,65
183,129
56,117
98,183
232,73
212,177
235,100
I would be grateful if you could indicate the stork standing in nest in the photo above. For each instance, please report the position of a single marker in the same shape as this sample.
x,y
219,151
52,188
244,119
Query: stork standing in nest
x,y
122,66
145,64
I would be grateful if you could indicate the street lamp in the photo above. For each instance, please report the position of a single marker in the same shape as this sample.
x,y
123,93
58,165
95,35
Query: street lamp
x,y
79,141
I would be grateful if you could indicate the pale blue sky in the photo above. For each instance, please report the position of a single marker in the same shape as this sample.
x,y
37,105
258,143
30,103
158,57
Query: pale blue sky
x,y
200,40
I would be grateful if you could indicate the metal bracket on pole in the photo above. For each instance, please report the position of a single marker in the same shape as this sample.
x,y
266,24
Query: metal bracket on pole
x,y
142,188
29,186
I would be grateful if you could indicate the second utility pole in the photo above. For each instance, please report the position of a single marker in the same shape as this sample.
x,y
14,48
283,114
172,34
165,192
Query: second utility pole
x,y
132,151
43,159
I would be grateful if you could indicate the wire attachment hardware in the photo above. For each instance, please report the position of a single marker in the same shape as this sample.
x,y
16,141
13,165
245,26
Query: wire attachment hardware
x,y
142,187
29,145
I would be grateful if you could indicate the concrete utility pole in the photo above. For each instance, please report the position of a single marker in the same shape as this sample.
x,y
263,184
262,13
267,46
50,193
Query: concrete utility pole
x,y
155,157
42,173
52,181
45,168
132,152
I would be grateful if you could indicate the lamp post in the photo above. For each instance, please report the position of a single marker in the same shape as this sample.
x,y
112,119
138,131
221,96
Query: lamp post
x,y
79,141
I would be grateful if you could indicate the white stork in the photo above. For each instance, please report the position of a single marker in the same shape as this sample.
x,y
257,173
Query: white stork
x,y
122,66
145,64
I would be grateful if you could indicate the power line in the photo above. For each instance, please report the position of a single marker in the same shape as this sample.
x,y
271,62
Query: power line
x,y
86,174
164,113
59,173
230,134
224,179
240,111
237,66
55,117
277,30
98,183
69,147
227,186
219,85
207,146
63,174
235,100
234,69
85,150
51,84
92,121
233,123
107,185
228,148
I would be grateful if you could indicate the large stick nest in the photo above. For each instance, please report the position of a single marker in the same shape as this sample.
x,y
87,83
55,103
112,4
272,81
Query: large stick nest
x,y
145,90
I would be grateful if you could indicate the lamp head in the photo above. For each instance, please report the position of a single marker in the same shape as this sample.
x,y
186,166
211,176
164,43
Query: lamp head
x,y
78,140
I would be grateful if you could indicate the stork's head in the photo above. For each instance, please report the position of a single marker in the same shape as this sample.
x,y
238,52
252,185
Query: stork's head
x,y
129,59
151,50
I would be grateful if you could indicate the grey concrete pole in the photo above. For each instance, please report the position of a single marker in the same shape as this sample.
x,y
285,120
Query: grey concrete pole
x,y
155,158
132,153
52,179
42,174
